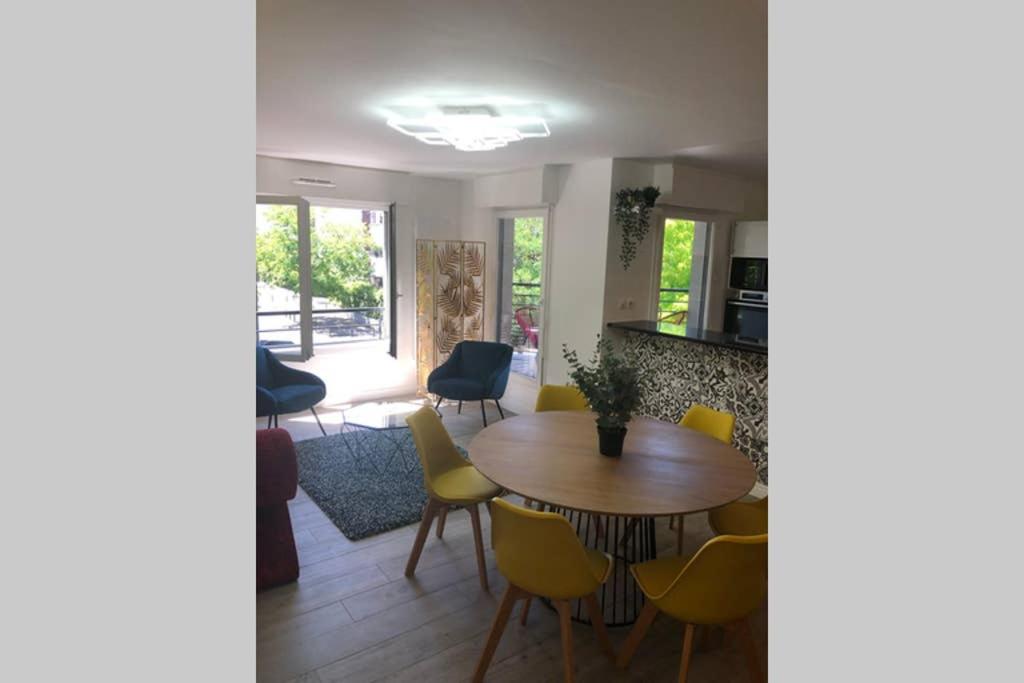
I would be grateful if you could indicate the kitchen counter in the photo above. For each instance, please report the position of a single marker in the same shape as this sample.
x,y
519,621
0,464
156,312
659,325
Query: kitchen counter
x,y
723,339
680,368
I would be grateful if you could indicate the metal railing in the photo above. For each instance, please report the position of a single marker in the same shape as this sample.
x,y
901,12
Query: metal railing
x,y
673,304
330,326
525,295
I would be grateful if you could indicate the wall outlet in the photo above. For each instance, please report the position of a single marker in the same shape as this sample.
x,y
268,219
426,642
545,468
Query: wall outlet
x,y
629,304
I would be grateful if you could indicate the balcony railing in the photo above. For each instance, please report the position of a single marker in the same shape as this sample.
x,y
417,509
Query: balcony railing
x,y
673,305
526,307
330,326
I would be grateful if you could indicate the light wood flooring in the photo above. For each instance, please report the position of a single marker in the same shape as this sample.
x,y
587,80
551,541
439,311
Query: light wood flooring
x,y
353,616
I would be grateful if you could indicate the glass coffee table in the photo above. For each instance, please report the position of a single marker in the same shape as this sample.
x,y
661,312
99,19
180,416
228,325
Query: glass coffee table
x,y
379,435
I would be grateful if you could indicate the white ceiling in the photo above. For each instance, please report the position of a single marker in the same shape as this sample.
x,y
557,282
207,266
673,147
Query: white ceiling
x,y
660,78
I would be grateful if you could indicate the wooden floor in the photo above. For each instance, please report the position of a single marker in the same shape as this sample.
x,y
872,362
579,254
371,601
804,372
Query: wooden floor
x,y
353,616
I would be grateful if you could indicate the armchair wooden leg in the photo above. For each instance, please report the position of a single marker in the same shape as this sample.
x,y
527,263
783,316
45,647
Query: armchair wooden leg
x,y
753,659
275,422
438,404
270,421
565,621
478,541
483,412
643,623
597,620
500,411
460,407
508,600
684,663
421,537
322,430
442,515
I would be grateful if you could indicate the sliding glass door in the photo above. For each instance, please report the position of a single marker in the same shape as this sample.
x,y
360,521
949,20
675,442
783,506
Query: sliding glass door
x,y
521,291
323,275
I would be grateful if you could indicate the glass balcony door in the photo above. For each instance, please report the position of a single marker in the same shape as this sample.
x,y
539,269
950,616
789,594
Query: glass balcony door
x,y
521,240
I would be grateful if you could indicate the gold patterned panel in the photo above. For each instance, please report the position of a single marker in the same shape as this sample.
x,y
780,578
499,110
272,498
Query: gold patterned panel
x,y
449,300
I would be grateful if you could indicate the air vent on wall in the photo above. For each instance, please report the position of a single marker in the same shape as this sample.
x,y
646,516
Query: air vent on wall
x,y
315,182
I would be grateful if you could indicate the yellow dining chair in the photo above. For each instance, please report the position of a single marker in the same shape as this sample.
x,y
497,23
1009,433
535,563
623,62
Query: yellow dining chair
x,y
540,555
740,518
716,424
721,585
555,397
449,480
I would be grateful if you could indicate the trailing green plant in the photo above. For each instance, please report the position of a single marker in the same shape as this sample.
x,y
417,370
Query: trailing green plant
x,y
633,212
609,381
633,207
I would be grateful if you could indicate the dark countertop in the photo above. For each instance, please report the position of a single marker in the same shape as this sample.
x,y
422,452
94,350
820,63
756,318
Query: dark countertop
x,y
725,339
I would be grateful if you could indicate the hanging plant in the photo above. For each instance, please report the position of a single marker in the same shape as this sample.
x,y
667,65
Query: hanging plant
x,y
633,212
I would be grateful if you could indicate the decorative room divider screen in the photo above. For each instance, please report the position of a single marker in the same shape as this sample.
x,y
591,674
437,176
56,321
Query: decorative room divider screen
x,y
449,300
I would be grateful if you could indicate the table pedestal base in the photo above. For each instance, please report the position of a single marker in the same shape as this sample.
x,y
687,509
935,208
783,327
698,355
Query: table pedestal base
x,y
620,596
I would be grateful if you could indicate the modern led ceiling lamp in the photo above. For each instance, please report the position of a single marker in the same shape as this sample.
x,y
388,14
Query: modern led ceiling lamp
x,y
470,129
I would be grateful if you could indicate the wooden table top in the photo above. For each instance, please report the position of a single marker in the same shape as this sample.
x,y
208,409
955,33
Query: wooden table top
x,y
664,469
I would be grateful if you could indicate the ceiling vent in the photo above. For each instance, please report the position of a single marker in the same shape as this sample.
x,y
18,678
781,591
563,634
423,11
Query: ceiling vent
x,y
315,182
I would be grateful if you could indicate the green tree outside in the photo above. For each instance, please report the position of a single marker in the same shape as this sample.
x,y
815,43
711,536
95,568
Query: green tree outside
x,y
342,269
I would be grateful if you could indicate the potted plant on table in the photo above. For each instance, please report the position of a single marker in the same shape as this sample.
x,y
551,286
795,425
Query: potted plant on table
x,y
610,384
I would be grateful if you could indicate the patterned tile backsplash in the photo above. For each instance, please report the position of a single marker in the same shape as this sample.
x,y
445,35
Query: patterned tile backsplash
x,y
675,373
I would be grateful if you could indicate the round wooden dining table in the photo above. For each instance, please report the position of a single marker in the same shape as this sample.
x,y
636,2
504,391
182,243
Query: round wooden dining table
x,y
664,470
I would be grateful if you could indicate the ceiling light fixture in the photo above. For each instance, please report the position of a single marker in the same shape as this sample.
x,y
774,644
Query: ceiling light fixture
x,y
470,129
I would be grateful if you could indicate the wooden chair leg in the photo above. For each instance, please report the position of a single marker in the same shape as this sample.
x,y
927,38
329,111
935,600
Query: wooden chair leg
x,y
753,659
421,536
526,611
597,620
483,413
460,407
643,622
508,600
565,621
442,515
478,541
684,664
679,536
528,502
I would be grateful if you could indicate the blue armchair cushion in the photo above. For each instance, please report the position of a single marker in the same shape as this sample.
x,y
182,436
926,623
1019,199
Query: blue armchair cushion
x,y
295,398
474,371
460,389
281,389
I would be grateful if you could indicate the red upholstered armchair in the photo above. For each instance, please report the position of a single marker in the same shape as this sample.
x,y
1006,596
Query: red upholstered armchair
x,y
276,483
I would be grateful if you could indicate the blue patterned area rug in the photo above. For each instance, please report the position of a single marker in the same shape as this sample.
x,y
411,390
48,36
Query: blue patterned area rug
x,y
366,482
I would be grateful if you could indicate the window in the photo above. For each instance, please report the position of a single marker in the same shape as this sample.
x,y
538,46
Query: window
x,y
681,272
322,275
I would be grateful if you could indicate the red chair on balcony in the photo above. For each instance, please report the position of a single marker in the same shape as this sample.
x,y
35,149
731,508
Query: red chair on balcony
x,y
526,322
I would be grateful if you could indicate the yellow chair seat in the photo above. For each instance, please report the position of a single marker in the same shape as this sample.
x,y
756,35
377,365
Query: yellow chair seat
x,y
464,486
740,519
655,576
600,564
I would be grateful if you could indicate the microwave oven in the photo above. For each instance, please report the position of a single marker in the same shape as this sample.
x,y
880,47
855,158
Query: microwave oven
x,y
750,274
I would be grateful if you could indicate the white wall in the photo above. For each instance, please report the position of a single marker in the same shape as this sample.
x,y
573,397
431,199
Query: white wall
x,y
426,208
578,263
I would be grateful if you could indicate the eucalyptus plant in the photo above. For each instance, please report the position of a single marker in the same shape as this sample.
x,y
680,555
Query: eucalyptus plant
x,y
609,381
633,212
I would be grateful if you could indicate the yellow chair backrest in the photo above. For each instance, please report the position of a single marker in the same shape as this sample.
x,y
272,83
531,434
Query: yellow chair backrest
x,y
555,397
436,451
540,552
723,582
714,423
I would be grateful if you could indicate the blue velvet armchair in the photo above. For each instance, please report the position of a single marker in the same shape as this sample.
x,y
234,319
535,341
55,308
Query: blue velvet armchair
x,y
281,390
476,371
